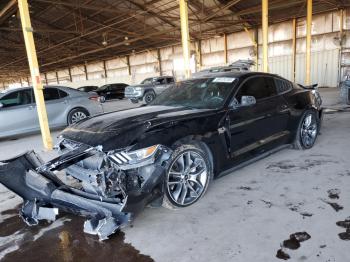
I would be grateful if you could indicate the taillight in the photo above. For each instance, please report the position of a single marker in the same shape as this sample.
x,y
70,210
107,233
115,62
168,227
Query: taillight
x,y
94,98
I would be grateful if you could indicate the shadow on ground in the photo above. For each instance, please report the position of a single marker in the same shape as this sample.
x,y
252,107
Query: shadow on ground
x,y
65,241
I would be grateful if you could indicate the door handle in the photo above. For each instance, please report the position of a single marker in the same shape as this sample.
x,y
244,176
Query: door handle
x,y
30,107
64,102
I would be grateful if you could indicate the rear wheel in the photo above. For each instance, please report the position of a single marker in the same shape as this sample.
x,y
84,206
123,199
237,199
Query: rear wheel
x,y
307,131
77,115
188,176
149,97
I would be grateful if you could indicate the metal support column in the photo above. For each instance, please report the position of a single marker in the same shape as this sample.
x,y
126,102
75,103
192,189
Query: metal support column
x,y
70,74
35,73
128,64
57,79
105,69
185,36
265,34
46,81
86,73
294,48
199,55
308,42
341,36
254,39
256,46
159,59
225,49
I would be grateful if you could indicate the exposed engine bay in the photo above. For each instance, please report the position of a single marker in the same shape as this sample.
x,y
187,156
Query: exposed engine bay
x,y
105,187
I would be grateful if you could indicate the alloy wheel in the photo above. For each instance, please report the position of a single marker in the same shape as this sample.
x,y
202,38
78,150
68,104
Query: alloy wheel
x,y
78,116
149,98
187,178
308,130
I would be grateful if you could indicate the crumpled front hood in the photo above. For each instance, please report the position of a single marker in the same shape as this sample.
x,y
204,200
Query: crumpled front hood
x,y
119,129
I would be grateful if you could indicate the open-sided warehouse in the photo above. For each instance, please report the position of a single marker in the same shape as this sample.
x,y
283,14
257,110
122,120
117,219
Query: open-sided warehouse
x,y
188,130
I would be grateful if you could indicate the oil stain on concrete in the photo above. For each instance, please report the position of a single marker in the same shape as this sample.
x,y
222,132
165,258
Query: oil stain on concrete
x,y
346,225
292,243
64,242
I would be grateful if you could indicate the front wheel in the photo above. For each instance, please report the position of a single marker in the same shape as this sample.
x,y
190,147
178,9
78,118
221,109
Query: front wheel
x,y
307,130
134,101
188,176
149,97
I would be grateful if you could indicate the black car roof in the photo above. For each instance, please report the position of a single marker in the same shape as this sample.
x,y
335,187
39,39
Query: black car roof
x,y
236,74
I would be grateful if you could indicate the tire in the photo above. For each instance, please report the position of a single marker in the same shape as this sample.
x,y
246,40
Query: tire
x,y
134,101
77,115
184,188
149,96
307,131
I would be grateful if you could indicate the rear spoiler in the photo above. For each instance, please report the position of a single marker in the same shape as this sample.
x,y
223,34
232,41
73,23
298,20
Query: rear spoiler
x,y
312,87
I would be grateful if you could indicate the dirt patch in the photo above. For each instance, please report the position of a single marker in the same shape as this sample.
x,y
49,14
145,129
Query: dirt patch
x,y
244,188
288,166
267,203
333,193
292,243
306,214
67,242
335,206
344,224
282,255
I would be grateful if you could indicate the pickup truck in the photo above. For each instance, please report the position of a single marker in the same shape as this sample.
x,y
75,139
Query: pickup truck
x,y
149,88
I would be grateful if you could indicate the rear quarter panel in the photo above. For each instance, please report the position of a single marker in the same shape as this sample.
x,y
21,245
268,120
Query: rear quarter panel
x,y
299,100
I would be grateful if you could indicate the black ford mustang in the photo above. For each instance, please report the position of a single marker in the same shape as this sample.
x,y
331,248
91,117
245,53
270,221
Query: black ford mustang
x,y
166,153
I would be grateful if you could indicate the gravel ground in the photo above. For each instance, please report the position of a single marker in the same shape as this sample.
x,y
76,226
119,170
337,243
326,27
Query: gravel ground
x,y
249,215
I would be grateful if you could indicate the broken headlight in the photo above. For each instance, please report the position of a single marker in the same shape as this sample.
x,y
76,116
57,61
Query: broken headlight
x,y
136,158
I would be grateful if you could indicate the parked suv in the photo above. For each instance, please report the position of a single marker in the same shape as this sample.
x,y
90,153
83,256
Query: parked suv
x,y
111,91
149,89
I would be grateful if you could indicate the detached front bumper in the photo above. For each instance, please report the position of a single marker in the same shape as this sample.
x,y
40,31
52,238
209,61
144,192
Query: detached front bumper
x,y
44,193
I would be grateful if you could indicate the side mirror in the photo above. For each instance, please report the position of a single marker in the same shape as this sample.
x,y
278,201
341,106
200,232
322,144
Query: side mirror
x,y
1,105
248,101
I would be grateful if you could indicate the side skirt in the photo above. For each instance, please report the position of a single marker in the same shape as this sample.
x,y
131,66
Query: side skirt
x,y
252,160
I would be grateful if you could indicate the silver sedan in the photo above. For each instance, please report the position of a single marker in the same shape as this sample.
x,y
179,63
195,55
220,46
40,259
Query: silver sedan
x,y
64,106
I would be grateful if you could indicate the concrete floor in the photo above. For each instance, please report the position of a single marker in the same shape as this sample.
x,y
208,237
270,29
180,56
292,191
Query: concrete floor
x,y
245,216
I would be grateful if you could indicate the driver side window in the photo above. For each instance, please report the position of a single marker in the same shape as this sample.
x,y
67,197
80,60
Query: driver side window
x,y
260,87
17,98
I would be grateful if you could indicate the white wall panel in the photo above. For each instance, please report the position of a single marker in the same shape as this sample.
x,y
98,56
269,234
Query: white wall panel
x,y
212,59
239,40
116,63
281,65
63,76
324,68
242,53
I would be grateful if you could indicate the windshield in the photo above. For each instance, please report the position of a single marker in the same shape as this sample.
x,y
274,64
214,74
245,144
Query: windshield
x,y
147,81
101,88
208,93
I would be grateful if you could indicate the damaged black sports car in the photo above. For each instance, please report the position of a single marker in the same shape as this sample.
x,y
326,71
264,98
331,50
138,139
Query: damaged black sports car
x,y
166,153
